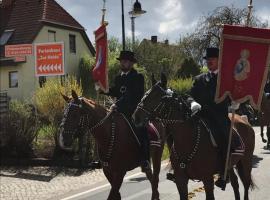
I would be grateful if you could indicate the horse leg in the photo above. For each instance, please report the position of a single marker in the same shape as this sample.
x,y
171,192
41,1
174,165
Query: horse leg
x,y
182,185
116,182
209,188
156,159
262,135
235,185
244,171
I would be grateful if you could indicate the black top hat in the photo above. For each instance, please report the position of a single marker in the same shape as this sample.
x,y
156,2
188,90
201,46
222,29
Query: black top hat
x,y
127,55
211,52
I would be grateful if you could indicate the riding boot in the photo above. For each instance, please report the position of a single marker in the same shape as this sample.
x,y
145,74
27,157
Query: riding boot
x,y
170,176
221,183
144,148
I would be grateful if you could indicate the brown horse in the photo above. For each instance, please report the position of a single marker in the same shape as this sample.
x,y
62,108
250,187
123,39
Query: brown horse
x,y
264,119
193,155
118,146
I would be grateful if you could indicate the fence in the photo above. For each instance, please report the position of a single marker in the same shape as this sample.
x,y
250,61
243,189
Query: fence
x,y
4,102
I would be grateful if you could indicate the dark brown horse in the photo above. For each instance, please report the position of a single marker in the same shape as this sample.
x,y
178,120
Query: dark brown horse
x,y
118,145
264,119
193,155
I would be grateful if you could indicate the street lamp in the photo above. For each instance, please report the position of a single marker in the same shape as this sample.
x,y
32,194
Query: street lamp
x,y
123,26
136,12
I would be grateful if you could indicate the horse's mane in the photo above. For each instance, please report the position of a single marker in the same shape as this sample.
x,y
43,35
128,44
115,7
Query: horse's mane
x,y
99,108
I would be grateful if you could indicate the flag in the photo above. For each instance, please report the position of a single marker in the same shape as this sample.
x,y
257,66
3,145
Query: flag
x,y
99,72
244,60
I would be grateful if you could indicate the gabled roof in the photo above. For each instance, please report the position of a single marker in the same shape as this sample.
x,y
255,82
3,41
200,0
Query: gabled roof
x,y
27,17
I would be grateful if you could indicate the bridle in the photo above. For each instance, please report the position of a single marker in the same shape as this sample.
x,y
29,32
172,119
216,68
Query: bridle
x,y
84,125
154,113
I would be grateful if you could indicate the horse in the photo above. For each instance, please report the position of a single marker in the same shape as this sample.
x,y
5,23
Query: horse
x,y
118,145
192,154
264,120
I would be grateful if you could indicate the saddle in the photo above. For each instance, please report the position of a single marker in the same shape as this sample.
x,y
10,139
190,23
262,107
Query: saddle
x,y
153,134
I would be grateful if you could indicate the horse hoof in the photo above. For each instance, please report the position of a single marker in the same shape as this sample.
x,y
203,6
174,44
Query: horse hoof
x,y
264,140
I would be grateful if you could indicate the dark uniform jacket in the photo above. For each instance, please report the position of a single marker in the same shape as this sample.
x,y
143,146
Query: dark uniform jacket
x,y
203,91
267,87
128,90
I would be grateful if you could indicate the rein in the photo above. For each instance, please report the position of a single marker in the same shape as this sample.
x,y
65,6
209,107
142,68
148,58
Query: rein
x,y
84,125
183,162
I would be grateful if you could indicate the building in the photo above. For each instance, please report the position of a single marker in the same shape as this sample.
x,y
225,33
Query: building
x,y
32,22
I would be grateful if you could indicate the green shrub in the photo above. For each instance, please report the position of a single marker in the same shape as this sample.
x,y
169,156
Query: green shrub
x,y
49,101
85,75
19,129
181,85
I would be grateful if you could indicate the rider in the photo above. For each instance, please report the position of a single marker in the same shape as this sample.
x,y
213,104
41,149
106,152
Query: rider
x,y
203,92
129,89
267,87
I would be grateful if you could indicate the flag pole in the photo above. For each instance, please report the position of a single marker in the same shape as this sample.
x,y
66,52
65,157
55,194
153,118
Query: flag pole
x,y
224,178
250,6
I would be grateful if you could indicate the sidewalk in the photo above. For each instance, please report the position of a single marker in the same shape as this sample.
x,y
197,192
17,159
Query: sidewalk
x,y
36,183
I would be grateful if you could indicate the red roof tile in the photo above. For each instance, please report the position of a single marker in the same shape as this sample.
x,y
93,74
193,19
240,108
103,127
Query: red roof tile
x,y
28,16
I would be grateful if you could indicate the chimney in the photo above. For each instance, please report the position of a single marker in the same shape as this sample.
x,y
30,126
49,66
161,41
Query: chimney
x,y
166,41
154,39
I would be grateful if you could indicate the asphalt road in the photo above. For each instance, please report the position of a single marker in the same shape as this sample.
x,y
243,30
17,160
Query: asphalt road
x,y
137,187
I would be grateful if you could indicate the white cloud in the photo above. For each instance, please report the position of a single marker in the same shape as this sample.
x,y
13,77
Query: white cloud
x,y
170,14
137,33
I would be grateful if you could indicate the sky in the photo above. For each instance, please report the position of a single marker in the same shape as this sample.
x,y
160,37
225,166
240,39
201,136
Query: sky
x,y
167,19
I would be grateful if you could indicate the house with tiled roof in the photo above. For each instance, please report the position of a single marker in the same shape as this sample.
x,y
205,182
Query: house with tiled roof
x,y
34,22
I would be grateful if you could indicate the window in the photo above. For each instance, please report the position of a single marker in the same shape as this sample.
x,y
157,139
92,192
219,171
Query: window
x,y
41,81
51,36
72,43
13,79
5,36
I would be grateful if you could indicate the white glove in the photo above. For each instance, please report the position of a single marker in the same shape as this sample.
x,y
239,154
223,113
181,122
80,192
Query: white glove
x,y
113,107
195,107
169,92
234,105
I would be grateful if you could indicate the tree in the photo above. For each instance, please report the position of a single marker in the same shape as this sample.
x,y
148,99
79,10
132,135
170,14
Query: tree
x,y
189,68
159,57
85,76
209,28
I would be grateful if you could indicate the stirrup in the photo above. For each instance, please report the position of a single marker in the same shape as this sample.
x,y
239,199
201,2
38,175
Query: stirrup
x,y
170,176
222,183
145,165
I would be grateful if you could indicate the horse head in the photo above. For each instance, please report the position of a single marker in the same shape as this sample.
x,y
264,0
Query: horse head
x,y
146,109
160,102
79,115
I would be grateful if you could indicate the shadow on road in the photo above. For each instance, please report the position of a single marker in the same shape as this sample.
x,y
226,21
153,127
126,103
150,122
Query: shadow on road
x,y
255,161
44,174
139,179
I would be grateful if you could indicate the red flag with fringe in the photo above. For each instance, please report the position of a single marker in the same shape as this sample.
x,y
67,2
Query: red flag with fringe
x,y
99,73
244,60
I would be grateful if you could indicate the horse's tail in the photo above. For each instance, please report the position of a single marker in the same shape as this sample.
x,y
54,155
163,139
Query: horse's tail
x,y
243,176
252,184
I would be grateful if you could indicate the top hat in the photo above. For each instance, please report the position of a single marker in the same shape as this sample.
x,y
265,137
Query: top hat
x,y
127,55
211,52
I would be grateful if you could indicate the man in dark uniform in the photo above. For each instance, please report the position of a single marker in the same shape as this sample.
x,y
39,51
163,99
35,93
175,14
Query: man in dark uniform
x,y
203,91
129,89
267,87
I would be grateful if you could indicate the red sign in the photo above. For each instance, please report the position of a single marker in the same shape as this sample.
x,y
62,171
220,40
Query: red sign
x,y
20,59
243,64
18,50
49,59
99,72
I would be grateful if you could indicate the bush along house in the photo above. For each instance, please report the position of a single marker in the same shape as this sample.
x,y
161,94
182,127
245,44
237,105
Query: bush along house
x,y
38,40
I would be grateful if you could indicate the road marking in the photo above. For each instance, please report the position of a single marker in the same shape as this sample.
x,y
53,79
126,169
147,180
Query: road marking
x,y
106,185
